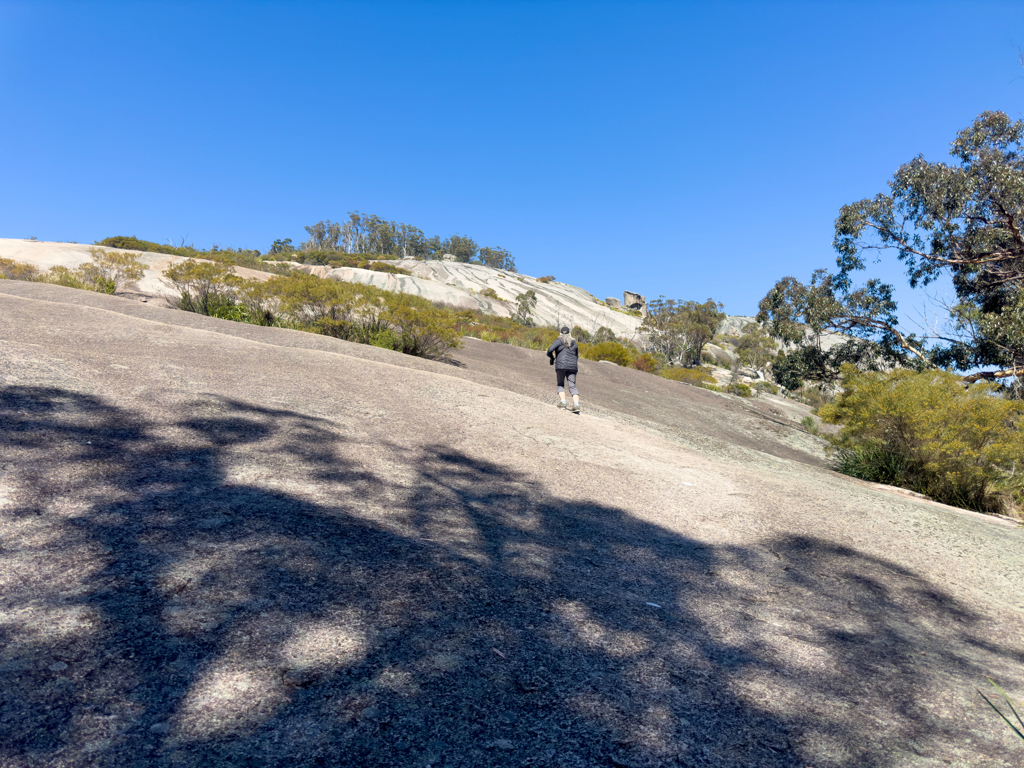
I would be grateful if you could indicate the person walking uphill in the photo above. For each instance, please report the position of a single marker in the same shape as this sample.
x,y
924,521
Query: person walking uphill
x,y
564,354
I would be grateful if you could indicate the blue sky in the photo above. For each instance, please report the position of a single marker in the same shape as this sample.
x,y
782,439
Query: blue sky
x,y
693,150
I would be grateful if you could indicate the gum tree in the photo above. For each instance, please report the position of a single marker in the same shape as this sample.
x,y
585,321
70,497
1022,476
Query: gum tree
x,y
963,219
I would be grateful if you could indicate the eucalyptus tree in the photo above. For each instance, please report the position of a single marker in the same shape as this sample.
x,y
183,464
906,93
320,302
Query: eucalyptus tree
x,y
962,219
498,258
681,329
323,236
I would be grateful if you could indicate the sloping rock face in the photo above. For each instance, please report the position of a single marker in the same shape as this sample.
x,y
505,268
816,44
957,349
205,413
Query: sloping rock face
x,y
449,282
225,544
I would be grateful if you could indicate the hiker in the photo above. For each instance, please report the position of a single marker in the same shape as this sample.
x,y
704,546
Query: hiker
x,y
564,354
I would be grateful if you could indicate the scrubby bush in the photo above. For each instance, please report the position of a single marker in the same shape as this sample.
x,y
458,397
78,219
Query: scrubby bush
x,y
111,271
646,362
739,388
603,334
755,347
766,387
132,243
611,351
66,277
420,328
490,293
203,287
260,302
546,279
504,330
581,336
15,270
814,396
930,433
698,377
396,321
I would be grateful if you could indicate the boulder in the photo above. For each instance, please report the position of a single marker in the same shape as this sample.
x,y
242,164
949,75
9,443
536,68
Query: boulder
x,y
448,257
632,300
615,303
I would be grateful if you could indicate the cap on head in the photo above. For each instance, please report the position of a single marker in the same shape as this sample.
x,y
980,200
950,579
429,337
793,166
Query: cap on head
x,y
565,329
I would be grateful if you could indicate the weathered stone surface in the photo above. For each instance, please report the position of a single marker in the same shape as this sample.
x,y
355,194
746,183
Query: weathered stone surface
x,y
632,300
613,302
381,510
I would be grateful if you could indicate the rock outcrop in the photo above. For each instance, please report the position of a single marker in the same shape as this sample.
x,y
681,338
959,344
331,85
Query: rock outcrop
x,y
635,301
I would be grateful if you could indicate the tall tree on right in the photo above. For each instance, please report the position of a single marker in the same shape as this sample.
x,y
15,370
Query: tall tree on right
x,y
964,219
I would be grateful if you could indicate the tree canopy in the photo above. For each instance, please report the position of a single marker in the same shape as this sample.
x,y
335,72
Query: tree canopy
x,y
681,329
367,233
963,219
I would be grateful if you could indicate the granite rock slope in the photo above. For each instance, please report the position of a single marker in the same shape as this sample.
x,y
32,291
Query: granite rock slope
x,y
452,283
224,544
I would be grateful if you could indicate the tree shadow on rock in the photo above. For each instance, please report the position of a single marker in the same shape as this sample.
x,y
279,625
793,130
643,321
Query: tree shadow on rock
x,y
250,586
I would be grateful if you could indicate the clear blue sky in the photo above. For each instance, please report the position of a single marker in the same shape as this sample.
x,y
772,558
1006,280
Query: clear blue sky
x,y
693,150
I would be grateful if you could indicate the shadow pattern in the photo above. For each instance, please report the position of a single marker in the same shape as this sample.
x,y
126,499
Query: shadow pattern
x,y
249,586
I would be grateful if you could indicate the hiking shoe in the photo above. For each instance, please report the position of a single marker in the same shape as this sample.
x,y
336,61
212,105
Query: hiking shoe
x,y
573,408
561,404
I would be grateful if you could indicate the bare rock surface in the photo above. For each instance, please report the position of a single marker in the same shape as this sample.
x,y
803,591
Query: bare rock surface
x,y
230,545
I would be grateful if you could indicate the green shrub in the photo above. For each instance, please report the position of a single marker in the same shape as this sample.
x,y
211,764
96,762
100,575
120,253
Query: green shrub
x,y
309,299
698,377
391,269
66,277
368,315
808,423
767,387
132,243
203,287
249,258
261,303
111,271
581,336
927,432
420,328
490,293
741,389
504,330
608,350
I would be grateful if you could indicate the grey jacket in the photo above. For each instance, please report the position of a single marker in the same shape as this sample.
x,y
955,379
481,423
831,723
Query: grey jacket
x,y
566,357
